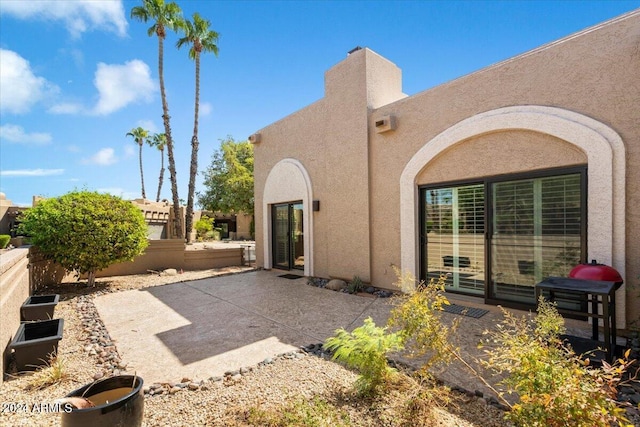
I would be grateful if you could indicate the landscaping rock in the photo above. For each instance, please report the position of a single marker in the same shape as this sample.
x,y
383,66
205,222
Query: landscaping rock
x,y
170,272
336,285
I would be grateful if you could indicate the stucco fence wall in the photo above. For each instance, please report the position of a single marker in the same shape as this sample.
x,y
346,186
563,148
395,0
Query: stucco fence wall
x,y
159,255
14,290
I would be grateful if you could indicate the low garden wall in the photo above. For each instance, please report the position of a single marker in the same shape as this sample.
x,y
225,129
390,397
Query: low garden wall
x,y
159,255
14,290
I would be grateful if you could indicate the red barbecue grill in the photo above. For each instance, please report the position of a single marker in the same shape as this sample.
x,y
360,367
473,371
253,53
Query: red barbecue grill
x,y
592,283
597,271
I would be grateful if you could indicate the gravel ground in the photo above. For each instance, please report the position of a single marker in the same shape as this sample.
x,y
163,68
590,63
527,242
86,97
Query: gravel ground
x,y
218,401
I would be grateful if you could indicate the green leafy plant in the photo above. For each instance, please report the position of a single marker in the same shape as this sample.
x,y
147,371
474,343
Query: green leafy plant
x,y
4,240
355,285
555,386
203,227
366,349
86,231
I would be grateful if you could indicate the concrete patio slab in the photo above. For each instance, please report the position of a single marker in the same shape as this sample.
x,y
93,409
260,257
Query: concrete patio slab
x,y
207,327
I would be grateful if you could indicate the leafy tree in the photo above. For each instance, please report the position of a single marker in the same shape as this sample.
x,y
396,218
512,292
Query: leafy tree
x,y
164,15
202,39
159,140
229,179
86,231
140,136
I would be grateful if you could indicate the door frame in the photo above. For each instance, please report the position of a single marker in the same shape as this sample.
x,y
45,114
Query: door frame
x,y
489,298
290,240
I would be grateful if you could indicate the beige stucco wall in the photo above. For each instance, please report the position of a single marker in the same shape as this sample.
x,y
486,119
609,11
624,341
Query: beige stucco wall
x,y
14,290
501,153
589,79
326,138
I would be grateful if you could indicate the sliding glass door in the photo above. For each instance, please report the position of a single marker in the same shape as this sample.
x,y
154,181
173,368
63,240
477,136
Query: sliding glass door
x,y
536,233
453,236
288,236
500,237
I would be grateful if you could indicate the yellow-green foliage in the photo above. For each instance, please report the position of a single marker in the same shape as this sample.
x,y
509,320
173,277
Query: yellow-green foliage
x,y
314,413
417,316
555,386
366,349
4,240
54,371
203,226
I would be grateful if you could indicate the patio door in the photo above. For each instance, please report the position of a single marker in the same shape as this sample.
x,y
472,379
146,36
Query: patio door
x,y
501,236
453,237
536,232
288,236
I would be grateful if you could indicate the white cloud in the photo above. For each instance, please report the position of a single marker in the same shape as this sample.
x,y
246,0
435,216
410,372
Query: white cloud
x,y
103,157
73,148
19,86
65,108
205,108
78,16
32,172
120,85
15,133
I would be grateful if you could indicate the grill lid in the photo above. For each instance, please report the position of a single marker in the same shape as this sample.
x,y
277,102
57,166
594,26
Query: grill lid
x,y
596,271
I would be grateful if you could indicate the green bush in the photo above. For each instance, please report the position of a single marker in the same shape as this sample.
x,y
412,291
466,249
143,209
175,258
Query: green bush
x,y
366,349
556,388
4,240
203,227
86,231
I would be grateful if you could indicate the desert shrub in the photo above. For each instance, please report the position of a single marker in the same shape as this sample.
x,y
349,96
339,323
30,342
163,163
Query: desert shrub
x,y
366,349
53,372
417,317
203,226
86,231
4,240
355,285
556,388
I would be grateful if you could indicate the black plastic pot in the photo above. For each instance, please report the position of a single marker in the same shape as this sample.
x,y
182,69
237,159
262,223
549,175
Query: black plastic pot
x,y
34,342
117,403
38,307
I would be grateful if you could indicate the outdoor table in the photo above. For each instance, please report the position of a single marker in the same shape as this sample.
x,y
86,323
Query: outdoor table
x,y
594,291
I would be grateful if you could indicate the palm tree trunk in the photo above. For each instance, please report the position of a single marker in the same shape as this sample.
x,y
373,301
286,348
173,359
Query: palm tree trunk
x,y
194,156
177,218
144,195
161,175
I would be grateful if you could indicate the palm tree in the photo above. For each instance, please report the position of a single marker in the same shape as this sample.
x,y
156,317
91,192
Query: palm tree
x,y
159,140
201,38
164,15
140,136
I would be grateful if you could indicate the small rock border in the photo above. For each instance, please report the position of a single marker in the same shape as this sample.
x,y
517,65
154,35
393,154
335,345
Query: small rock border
x,y
320,282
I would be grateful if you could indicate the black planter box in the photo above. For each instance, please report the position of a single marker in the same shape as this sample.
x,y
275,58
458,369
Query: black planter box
x,y
34,341
38,307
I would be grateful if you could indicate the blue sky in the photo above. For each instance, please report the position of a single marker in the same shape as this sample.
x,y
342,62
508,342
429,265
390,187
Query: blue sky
x,y
77,75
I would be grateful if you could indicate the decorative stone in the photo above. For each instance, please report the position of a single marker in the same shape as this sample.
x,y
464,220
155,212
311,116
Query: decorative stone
x,y
370,290
170,272
336,285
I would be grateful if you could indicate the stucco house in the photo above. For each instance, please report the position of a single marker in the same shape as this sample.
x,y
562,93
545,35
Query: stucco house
x,y
502,177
